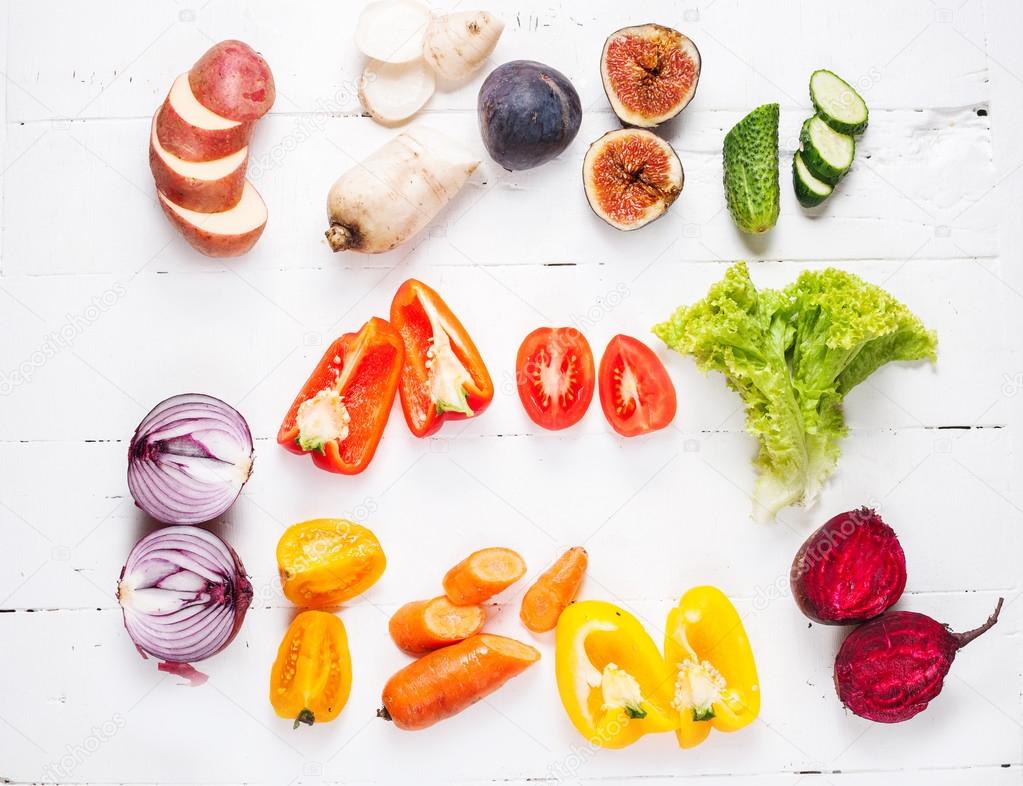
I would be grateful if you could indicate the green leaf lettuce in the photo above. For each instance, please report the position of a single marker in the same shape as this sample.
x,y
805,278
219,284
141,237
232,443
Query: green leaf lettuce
x,y
792,356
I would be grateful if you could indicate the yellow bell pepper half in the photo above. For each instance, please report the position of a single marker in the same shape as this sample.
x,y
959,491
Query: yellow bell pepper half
x,y
612,679
715,677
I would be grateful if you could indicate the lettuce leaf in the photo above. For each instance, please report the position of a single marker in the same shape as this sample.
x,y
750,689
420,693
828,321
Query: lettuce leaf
x,y
792,356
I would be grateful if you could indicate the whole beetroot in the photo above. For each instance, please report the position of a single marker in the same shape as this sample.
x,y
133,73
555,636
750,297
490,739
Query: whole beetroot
x,y
890,668
850,570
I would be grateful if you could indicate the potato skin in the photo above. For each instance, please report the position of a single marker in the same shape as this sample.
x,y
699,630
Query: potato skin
x,y
192,143
234,81
203,196
211,244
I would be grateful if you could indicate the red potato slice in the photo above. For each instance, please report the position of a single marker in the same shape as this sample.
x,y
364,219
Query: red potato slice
x,y
230,233
190,131
204,186
233,80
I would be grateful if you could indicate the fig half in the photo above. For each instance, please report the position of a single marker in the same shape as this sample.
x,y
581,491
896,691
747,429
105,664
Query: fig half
x,y
650,73
631,177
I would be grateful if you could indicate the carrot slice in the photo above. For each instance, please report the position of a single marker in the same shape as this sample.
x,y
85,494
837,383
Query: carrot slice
x,y
482,575
425,625
449,680
553,591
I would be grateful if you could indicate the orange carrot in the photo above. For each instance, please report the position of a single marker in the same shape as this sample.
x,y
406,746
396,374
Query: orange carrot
x,y
482,575
425,625
449,680
553,591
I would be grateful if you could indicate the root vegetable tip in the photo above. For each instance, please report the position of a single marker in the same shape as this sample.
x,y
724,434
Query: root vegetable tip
x,y
965,638
339,237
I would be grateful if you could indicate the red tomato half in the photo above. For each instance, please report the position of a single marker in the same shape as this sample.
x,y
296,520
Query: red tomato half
x,y
554,374
636,393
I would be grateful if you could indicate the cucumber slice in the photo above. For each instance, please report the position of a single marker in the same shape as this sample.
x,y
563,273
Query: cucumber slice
x,y
809,190
837,103
827,153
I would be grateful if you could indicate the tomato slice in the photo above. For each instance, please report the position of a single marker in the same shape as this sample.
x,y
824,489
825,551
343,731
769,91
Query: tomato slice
x,y
636,393
554,375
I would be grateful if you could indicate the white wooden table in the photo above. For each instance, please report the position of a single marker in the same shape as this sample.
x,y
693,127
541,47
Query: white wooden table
x,y
931,211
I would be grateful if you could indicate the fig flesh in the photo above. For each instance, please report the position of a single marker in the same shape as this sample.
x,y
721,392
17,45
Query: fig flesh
x,y
528,114
631,177
850,570
650,73
890,668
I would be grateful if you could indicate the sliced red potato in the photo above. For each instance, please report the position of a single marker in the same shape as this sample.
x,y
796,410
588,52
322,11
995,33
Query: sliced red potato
x,y
229,233
190,131
233,80
205,186
392,31
392,93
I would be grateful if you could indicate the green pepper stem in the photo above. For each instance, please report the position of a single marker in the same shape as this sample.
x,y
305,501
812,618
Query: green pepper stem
x,y
305,716
635,711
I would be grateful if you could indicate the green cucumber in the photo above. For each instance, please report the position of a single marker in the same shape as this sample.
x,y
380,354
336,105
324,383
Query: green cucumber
x,y
837,103
750,154
809,190
828,154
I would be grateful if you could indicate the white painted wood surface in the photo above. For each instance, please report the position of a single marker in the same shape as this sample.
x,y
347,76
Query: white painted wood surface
x,y
931,211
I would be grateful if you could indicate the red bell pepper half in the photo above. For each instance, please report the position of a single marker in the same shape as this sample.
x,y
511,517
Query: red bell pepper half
x,y
340,413
444,377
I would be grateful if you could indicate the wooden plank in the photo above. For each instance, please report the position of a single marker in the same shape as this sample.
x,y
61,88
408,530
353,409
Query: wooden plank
x,y
316,67
106,311
95,678
657,514
122,343
903,165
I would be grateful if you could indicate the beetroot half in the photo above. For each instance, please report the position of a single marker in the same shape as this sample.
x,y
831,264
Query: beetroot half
x,y
890,668
849,570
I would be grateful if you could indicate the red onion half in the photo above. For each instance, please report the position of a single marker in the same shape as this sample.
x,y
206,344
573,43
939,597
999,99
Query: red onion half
x,y
184,594
189,458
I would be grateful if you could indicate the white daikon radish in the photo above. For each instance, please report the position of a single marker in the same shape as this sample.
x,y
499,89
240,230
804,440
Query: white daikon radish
x,y
389,197
456,45
392,30
393,92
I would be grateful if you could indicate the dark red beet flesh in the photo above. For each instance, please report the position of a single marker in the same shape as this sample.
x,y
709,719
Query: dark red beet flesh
x,y
849,570
890,668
